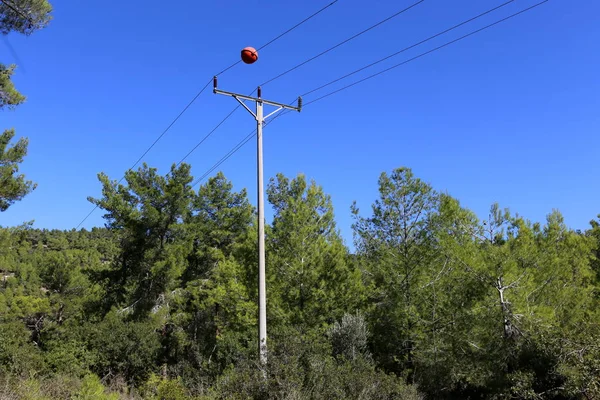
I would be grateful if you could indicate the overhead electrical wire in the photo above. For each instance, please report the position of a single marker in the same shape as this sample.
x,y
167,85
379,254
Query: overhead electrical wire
x,y
223,71
11,49
308,60
344,41
282,34
297,66
305,61
409,47
208,135
234,150
246,139
198,95
426,53
13,53
225,157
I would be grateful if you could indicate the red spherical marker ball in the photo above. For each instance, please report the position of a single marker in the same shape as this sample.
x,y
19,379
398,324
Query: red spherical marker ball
x,y
249,55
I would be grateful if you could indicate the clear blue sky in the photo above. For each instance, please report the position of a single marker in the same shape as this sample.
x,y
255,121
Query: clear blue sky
x,y
510,115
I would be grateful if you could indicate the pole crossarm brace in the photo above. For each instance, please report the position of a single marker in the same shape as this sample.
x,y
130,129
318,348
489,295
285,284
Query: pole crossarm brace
x,y
259,99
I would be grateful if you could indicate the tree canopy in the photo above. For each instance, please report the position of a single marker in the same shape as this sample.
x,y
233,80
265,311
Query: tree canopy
x,y
435,303
24,17
13,186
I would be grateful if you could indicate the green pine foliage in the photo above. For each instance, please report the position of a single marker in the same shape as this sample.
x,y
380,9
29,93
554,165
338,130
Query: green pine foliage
x,y
434,303
9,96
13,186
24,17
310,279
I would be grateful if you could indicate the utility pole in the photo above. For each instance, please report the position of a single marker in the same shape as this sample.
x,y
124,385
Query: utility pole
x,y
260,119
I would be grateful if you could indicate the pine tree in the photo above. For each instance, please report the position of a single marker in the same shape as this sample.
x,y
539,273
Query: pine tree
x,y
25,17
396,248
13,187
309,280
146,216
218,312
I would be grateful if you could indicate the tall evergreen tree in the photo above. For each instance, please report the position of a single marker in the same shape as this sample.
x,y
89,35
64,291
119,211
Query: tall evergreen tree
x,y
219,221
146,217
396,246
309,280
219,312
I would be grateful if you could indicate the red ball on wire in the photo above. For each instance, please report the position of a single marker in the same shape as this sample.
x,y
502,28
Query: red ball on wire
x,y
249,55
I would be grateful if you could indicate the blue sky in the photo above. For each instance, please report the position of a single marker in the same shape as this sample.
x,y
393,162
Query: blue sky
x,y
509,115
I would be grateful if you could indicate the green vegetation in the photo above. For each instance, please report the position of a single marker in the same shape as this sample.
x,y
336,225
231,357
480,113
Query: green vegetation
x,y
434,303
161,303
13,186
24,17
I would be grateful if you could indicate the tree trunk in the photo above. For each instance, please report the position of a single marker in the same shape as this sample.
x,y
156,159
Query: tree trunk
x,y
504,305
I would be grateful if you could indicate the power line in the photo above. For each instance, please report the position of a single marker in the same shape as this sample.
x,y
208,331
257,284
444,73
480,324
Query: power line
x,y
234,150
198,95
316,56
208,135
409,47
225,157
13,52
246,139
237,62
297,25
313,57
209,82
152,145
344,42
427,52
283,34
169,127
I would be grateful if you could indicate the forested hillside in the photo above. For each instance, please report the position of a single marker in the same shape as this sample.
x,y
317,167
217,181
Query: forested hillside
x,y
162,302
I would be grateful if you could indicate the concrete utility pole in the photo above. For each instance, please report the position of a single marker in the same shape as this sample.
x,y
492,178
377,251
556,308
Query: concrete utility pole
x,y
260,119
